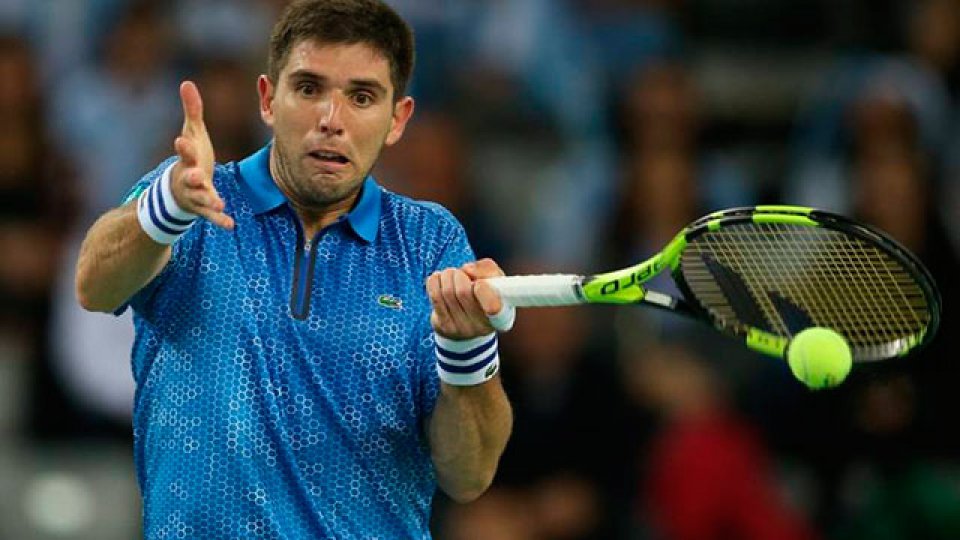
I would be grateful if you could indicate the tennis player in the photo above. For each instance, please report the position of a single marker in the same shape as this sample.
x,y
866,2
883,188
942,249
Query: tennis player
x,y
294,377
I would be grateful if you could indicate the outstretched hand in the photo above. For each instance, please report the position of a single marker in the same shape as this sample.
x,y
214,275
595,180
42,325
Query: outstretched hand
x,y
462,301
192,176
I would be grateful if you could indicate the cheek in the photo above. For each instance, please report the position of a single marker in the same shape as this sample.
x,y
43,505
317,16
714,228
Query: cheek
x,y
372,134
291,120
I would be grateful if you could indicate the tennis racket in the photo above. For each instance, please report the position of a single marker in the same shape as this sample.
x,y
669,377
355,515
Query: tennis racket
x,y
762,274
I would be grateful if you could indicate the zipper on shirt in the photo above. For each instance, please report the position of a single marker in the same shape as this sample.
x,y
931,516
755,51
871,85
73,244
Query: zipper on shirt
x,y
303,265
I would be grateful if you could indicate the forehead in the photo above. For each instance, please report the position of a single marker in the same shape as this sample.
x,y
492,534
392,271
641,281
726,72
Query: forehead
x,y
338,61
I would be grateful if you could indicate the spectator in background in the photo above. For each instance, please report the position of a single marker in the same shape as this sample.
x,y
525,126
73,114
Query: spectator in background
x,y
933,37
823,138
891,423
892,189
34,176
534,99
443,35
707,473
431,163
63,34
112,116
659,193
895,482
224,27
37,206
230,114
116,114
670,177
627,35
35,196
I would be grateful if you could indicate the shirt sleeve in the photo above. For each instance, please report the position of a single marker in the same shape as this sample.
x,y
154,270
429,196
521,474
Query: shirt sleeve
x,y
453,252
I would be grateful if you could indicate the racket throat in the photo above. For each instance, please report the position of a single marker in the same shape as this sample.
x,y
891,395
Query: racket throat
x,y
659,299
621,286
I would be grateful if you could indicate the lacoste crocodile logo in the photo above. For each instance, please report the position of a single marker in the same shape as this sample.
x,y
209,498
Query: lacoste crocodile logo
x,y
389,301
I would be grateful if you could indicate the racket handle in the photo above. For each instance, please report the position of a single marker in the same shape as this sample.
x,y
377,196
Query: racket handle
x,y
539,290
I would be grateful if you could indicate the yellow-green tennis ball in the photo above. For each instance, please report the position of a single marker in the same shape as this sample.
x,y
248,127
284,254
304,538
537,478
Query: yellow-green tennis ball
x,y
819,357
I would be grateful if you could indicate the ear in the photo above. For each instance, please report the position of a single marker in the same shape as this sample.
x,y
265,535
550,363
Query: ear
x,y
402,111
265,90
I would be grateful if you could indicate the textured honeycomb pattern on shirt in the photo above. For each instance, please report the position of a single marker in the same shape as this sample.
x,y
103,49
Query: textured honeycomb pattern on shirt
x,y
250,423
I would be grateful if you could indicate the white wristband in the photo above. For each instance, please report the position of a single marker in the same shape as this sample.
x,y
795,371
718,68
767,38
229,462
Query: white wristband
x,y
159,215
467,362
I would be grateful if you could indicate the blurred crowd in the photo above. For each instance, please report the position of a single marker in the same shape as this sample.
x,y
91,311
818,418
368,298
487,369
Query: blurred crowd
x,y
567,135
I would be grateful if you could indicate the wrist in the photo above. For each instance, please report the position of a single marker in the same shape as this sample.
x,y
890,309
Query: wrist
x,y
467,362
159,214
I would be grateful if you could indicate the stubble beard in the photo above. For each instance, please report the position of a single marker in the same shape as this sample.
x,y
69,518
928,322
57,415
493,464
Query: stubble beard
x,y
303,191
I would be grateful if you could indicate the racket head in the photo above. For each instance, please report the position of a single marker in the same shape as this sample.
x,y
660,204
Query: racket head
x,y
763,274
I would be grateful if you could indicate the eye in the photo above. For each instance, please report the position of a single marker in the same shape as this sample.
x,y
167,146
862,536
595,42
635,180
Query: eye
x,y
363,99
306,89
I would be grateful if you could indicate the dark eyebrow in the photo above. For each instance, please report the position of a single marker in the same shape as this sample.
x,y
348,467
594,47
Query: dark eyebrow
x,y
368,84
305,74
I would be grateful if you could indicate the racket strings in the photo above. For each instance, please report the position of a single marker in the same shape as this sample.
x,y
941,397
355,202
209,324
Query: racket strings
x,y
840,281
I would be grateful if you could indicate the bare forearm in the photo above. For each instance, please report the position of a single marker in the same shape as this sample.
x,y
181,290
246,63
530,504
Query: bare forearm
x,y
468,433
116,260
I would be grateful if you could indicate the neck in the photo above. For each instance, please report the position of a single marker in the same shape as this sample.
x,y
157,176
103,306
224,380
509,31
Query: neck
x,y
313,217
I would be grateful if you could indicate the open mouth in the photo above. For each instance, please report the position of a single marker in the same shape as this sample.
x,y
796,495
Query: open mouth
x,y
329,157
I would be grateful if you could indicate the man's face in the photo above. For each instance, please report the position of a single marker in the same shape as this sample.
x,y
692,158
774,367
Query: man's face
x,y
332,111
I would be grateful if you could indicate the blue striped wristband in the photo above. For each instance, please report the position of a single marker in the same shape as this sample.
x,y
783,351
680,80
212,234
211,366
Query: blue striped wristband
x,y
159,215
468,362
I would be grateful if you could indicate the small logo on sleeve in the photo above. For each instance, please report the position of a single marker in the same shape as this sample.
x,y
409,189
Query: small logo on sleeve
x,y
135,192
389,301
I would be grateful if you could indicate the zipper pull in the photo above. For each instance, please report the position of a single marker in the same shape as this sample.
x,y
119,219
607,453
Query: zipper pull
x,y
307,245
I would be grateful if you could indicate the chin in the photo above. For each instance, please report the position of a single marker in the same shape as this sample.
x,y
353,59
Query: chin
x,y
330,194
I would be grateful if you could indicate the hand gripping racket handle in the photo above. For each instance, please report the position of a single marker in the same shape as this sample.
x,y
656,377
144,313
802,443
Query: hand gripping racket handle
x,y
539,290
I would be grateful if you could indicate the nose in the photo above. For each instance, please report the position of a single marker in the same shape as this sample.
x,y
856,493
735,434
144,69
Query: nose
x,y
330,121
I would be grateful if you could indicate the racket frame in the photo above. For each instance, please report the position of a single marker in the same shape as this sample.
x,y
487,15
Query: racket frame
x,y
775,345
626,285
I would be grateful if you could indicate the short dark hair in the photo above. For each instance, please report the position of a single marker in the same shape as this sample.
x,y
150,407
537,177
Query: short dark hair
x,y
370,22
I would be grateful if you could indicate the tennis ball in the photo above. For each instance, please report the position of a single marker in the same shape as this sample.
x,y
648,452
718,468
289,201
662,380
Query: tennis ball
x,y
819,357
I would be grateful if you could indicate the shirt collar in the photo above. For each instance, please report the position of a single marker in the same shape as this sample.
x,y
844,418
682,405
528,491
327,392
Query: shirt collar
x,y
264,195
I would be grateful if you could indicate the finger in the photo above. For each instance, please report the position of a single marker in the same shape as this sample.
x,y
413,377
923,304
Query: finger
x,y
436,300
204,198
488,298
468,316
501,314
448,291
483,268
463,288
217,218
186,151
192,106
195,179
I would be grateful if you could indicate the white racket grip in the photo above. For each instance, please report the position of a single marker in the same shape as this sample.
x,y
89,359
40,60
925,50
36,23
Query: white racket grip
x,y
503,320
539,290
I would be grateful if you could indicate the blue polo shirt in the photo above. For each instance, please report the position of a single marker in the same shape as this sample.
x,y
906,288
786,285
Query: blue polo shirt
x,y
283,382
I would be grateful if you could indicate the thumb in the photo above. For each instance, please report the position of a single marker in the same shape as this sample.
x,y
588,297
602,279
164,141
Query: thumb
x,y
488,297
192,105
502,315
